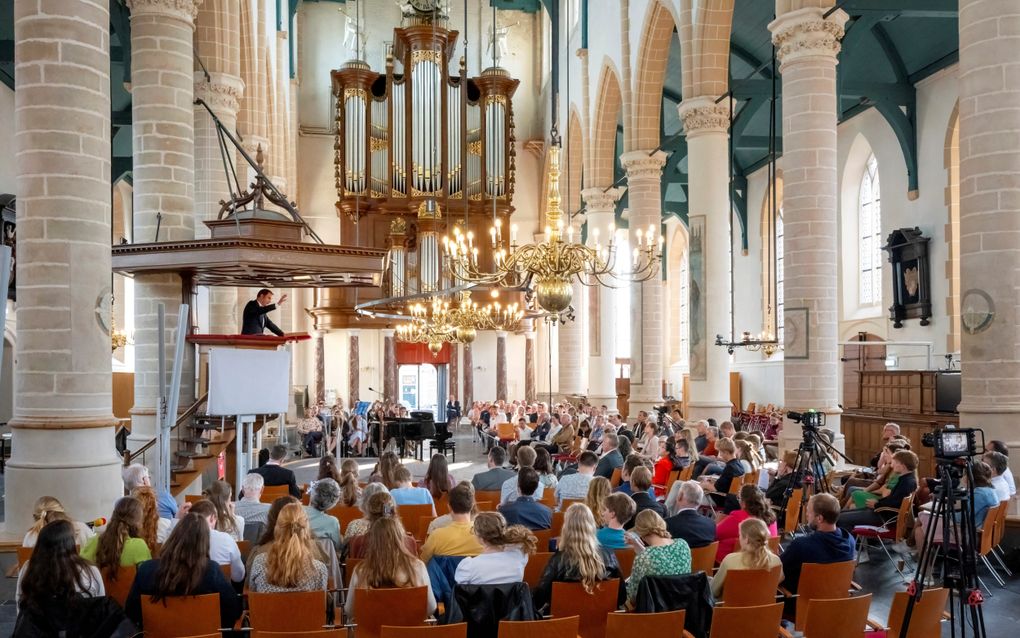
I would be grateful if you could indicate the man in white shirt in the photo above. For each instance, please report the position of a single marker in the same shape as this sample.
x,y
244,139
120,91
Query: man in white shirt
x,y
1003,449
250,508
222,548
575,486
508,492
999,463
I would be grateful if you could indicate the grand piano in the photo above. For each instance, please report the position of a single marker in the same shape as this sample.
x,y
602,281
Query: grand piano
x,y
417,428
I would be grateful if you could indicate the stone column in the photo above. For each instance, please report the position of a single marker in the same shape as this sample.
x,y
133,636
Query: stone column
x,y
469,378
601,214
990,216
63,418
807,46
354,369
320,366
707,127
530,389
390,387
163,122
501,391
454,376
644,175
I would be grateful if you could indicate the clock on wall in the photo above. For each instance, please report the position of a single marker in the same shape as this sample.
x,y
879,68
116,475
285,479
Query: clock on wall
x,y
424,6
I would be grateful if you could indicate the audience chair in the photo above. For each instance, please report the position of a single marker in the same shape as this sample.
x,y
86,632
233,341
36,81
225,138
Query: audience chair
x,y
458,630
570,599
272,492
750,478
349,566
244,547
567,502
493,496
617,478
397,607
24,553
894,530
289,611
685,474
535,567
410,515
544,538
551,628
487,506
557,521
422,530
306,498
665,624
548,499
345,514
626,559
1000,530
836,618
322,633
746,622
181,616
751,587
119,588
442,504
194,498
821,580
986,539
925,619
791,521
703,558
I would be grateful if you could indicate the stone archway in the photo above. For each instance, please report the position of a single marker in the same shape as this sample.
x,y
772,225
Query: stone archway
x,y
659,28
951,157
602,146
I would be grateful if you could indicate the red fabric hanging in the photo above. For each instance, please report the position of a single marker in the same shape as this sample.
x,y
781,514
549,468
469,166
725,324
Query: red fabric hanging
x,y
418,353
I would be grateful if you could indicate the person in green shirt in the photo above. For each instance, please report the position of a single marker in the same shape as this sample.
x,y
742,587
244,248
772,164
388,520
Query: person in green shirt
x,y
658,553
120,545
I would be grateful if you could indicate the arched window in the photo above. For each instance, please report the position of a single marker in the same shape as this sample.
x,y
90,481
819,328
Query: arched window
x,y
623,302
780,297
773,294
870,222
685,313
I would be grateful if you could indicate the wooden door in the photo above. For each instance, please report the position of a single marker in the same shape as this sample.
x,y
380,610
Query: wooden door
x,y
857,359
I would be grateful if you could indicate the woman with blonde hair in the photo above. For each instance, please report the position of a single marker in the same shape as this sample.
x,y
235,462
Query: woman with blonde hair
x,y
752,505
291,563
689,434
748,459
48,509
598,489
388,564
219,494
754,554
154,530
658,553
505,552
579,558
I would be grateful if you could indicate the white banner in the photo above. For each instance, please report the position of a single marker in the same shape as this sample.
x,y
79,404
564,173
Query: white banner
x,y
245,381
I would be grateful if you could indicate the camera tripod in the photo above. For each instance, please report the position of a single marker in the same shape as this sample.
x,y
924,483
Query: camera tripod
x,y
959,544
809,473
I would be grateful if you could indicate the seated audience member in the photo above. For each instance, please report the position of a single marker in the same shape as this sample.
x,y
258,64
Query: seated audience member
x,y
857,492
648,444
380,505
578,558
667,462
323,496
438,480
889,432
826,543
359,526
575,486
876,512
48,509
687,523
595,500
525,510
701,438
746,455
1007,475
154,529
618,511
446,519
457,538
999,464
544,467
505,552
273,473
249,507
310,431
630,464
385,470
222,548
752,505
708,458
508,491
984,499
563,439
407,494
625,440
55,574
611,456
350,491
184,568
732,470
687,449
776,492
269,532
493,478
219,493
291,563
121,543
754,554
661,555
388,564
137,475
641,481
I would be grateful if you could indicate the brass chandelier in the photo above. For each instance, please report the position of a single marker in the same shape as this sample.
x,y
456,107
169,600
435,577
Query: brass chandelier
x,y
438,322
550,267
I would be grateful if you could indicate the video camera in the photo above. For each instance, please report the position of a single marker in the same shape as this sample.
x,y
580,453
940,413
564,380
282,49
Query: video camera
x,y
661,409
808,419
952,443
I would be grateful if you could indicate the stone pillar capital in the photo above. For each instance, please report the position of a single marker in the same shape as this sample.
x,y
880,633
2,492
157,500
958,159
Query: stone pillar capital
x,y
807,33
221,92
642,165
501,334
184,10
701,115
599,200
387,332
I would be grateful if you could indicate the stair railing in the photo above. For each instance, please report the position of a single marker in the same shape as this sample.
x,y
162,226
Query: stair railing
x,y
132,457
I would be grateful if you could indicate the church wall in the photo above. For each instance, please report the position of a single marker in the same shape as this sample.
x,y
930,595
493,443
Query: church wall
x,y
8,176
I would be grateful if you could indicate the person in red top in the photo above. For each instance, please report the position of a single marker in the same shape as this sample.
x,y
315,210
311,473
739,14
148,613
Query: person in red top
x,y
667,462
752,505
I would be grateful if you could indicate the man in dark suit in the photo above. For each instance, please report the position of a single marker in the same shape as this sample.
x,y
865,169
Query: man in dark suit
x,y
611,457
640,481
525,510
255,321
275,474
453,411
493,478
687,523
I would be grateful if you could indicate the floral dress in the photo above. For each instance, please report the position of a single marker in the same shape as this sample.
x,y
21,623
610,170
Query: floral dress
x,y
668,560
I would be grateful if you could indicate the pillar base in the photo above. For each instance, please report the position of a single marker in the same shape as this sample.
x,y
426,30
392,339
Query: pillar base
x,y
718,410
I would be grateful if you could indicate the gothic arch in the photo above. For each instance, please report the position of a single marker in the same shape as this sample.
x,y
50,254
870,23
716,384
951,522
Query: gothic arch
x,y
705,37
678,245
951,157
653,57
573,162
608,106
768,254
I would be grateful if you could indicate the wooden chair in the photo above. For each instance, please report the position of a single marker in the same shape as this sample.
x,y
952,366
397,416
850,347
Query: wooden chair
x,y
544,537
746,622
567,502
703,558
397,607
987,537
443,504
349,566
557,523
244,547
551,628
837,618
824,581
289,611
506,432
181,616
535,567
735,485
666,624
422,531
119,588
458,630
674,476
1000,530
793,506
751,478
24,553
925,619
570,599
751,587
493,496
411,515
617,478
226,571
194,498
322,633
894,530
549,499
272,492
686,474
626,559
345,514
487,506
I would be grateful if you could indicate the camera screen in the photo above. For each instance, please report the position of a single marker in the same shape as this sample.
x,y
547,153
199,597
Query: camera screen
x,y
954,442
